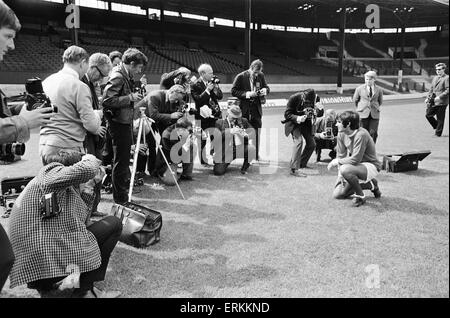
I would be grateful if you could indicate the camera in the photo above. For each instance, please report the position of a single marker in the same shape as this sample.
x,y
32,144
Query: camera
x,y
309,112
9,152
430,100
49,206
35,96
215,80
329,125
11,189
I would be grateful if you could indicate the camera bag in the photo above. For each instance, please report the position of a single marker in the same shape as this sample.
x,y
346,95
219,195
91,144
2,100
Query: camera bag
x,y
141,225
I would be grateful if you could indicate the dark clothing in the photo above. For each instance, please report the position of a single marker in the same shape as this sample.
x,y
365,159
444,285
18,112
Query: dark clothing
x,y
229,147
202,98
371,125
438,122
251,108
94,143
167,79
321,126
6,257
117,96
436,114
107,232
295,108
121,136
119,111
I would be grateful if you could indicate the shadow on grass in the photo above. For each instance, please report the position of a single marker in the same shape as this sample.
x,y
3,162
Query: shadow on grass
x,y
425,173
391,204
186,276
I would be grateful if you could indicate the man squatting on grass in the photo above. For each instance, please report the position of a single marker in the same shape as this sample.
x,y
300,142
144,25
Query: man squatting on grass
x,y
356,160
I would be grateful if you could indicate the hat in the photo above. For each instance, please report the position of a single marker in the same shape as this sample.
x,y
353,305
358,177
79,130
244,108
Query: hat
x,y
234,112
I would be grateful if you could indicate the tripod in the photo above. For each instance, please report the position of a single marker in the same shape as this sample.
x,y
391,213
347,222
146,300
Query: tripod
x,y
141,133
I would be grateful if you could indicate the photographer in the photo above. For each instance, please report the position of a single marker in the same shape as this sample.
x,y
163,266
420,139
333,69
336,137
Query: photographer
x,y
13,128
251,88
437,99
99,68
177,142
206,94
300,115
325,134
179,76
165,108
237,141
356,160
53,241
73,99
118,104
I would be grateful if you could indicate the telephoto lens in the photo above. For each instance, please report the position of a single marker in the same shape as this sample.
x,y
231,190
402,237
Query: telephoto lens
x,y
17,149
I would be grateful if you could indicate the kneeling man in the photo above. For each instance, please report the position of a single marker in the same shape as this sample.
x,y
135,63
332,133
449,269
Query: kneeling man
x,y
356,160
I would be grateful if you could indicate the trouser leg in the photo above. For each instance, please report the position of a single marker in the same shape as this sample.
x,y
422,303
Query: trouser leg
x,y
107,232
121,139
309,148
440,114
373,128
296,149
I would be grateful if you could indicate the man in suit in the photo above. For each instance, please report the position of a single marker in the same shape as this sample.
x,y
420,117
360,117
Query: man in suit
x,y
368,99
234,137
206,94
300,114
119,103
437,99
250,88
99,68
165,107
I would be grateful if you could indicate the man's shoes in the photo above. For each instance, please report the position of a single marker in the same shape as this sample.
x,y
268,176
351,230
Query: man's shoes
x,y
376,192
297,173
358,200
186,178
332,154
244,168
95,293
98,214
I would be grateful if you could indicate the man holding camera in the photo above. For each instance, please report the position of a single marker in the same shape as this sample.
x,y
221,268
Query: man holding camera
x,y
206,94
99,68
118,104
356,160
72,97
250,88
437,99
13,127
165,107
236,141
325,134
300,115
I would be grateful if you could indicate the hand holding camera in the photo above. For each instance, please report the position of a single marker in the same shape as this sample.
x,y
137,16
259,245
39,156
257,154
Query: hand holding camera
x,y
176,115
36,118
136,96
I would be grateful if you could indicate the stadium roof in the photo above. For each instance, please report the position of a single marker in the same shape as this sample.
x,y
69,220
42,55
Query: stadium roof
x,y
322,13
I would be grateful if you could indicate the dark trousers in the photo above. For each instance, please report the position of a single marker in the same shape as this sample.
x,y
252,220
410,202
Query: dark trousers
x,y
151,159
93,145
439,112
248,152
257,124
107,232
107,150
300,158
6,257
121,140
371,125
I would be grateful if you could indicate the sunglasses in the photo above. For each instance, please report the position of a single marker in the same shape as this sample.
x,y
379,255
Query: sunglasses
x,y
439,69
101,73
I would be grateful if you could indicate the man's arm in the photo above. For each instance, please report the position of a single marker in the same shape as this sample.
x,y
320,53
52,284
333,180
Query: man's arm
x,y
341,148
200,96
359,148
154,103
291,106
111,95
264,84
91,121
445,92
237,89
380,97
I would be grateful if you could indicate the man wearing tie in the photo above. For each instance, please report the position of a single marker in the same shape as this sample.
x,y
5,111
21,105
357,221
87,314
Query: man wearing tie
x,y
368,99
250,88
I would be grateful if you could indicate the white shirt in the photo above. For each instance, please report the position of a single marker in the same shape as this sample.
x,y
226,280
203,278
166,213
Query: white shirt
x,y
75,115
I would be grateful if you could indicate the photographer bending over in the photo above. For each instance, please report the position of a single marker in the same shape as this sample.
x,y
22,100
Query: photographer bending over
x,y
50,243
356,160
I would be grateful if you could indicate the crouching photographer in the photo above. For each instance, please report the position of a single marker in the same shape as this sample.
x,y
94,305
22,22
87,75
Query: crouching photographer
x,y
326,133
48,229
300,117
14,127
